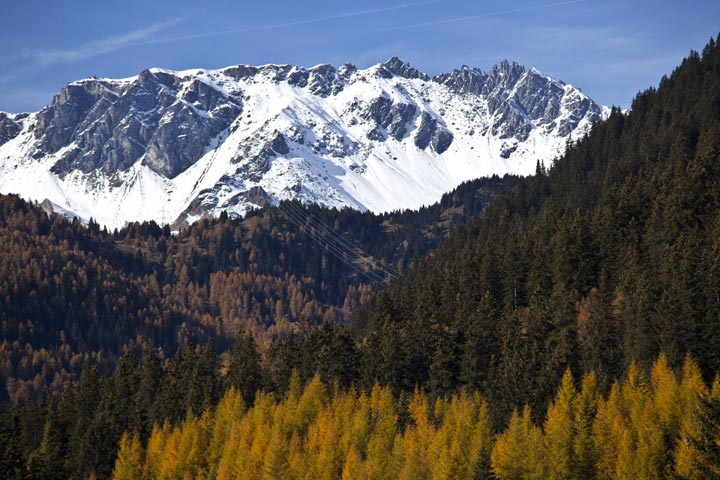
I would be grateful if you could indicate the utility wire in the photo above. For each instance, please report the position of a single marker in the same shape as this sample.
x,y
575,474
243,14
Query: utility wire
x,y
337,240
343,242
347,257
378,263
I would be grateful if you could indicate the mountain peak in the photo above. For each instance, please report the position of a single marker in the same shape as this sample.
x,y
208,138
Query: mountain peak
x,y
510,69
167,144
463,80
403,69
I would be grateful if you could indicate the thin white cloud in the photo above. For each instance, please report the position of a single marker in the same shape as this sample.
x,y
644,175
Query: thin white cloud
x,y
47,57
466,18
147,36
297,23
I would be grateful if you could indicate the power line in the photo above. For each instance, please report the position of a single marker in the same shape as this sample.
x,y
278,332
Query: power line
x,y
340,239
348,258
377,263
337,253
340,248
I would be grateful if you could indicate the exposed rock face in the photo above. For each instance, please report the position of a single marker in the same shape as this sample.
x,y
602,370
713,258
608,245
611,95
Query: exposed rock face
x,y
403,69
430,134
241,72
9,128
390,117
520,100
254,157
465,80
324,81
110,126
166,145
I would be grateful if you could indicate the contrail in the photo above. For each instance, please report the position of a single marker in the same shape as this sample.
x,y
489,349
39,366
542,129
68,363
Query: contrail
x,y
484,15
145,36
295,23
46,57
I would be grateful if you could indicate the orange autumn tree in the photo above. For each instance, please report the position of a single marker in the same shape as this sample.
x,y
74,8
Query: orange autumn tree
x,y
519,452
649,426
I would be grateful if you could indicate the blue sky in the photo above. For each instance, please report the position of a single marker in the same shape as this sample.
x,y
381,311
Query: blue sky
x,y
610,49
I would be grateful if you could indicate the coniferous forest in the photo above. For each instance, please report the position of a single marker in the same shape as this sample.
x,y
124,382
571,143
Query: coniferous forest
x,y
72,295
564,325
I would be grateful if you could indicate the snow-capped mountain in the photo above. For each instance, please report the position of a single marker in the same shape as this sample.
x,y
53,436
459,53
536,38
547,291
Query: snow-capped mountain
x,y
175,145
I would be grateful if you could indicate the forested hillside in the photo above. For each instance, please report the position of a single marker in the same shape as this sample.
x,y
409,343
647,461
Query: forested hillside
x,y
71,294
612,256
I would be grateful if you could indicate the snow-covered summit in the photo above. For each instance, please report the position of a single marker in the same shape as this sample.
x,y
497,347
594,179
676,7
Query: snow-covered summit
x,y
175,145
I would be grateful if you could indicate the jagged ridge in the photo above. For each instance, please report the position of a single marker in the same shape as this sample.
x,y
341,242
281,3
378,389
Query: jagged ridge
x,y
173,146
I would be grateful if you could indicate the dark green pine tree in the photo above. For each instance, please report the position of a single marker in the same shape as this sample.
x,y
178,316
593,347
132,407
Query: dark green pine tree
x,y
444,367
11,458
560,350
335,356
205,384
599,336
514,378
79,406
285,356
384,357
151,373
29,418
48,461
182,387
479,350
245,372
171,402
112,417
